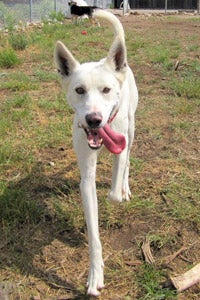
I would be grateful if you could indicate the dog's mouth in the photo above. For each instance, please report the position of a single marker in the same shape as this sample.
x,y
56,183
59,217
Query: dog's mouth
x,y
113,141
94,139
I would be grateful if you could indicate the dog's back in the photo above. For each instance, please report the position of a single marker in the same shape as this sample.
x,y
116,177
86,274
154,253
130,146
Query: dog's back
x,y
78,12
81,10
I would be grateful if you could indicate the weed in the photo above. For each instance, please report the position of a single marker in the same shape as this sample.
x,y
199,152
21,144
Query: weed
x,y
18,41
8,18
8,58
56,16
160,240
150,279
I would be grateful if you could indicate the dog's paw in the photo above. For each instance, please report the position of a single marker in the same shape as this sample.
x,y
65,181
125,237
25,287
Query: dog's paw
x,y
114,197
95,281
126,193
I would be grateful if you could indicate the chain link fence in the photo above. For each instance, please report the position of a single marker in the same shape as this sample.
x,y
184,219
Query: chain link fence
x,y
29,10
14,11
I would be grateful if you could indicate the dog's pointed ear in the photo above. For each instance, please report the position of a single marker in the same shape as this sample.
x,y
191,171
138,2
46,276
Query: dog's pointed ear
x,y
116,58
65,61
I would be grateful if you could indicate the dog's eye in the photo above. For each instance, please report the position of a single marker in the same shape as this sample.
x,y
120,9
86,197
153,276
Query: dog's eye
x,y
80,90
106,90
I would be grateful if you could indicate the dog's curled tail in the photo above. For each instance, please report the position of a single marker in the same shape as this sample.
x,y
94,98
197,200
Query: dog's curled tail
x,y
112,19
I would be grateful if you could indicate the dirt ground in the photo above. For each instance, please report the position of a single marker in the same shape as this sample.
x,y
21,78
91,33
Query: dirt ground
x,y
58,259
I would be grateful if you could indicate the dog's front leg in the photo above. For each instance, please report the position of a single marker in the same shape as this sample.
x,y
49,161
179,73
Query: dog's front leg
x,y
87,159
88,193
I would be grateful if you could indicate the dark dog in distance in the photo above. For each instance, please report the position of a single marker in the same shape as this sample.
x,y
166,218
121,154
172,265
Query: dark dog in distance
x,y
78,12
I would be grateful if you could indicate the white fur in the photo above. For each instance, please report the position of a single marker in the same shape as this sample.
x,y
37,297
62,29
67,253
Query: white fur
x,y
114,74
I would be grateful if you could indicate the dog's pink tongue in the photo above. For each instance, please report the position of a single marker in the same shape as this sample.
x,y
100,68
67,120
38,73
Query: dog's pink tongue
x,y
114,142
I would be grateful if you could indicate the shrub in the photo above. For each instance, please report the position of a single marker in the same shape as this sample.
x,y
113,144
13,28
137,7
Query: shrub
x,y
18,41
56,16
8,58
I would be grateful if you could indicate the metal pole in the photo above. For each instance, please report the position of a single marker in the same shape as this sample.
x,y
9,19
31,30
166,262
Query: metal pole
x,y
31,6
198,6
55,5
125,7
165,6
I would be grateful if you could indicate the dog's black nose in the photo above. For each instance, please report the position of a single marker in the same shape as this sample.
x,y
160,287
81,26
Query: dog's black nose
x,y
94,120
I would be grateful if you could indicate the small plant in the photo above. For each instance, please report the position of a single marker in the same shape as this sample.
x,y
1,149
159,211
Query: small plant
x,y
53,17
9,21
150,278
18,41
8,58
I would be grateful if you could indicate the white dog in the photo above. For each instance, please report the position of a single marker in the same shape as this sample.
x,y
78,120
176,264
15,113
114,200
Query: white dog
x,y
103,95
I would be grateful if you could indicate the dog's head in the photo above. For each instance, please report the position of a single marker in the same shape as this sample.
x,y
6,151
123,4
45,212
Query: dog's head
x,y
94,88
70,3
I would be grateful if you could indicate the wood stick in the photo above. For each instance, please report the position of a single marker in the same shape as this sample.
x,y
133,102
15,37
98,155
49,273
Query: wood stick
x,y
147,251
186,280
170,258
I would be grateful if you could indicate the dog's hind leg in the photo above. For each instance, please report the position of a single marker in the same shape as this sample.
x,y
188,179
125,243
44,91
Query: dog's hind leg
x,y
120,187
87,159
120,180
126,193
120,174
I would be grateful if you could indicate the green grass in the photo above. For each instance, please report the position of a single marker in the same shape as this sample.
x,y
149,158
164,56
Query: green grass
x,y
16,209
18,81
149,278
188,87
39,180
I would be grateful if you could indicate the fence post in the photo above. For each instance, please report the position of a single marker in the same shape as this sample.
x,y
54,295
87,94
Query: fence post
x,y
55,5
125,7
165,6
198,6
31,6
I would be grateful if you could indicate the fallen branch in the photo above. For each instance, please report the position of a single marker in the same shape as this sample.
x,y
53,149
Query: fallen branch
x,y
170,258
166,199
146,251
186,280
176,65
186,259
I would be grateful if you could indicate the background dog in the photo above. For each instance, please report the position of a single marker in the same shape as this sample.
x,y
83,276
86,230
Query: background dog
x,y
78,12
104,98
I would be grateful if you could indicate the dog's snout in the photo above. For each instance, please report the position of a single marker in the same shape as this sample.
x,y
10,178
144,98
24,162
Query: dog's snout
x,y
94,120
